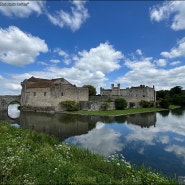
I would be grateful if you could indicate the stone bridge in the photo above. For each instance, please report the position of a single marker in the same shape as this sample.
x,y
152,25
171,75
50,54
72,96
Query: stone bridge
x,y
7,99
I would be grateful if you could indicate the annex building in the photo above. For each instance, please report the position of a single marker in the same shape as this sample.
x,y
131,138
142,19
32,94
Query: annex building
x,y
43,94
132,94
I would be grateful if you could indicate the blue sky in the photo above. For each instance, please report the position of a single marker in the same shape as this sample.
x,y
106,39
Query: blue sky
x,y
93,42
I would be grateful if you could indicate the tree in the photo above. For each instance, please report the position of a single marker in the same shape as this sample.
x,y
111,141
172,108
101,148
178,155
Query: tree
x,y
120,103
92,90
164,103
175,90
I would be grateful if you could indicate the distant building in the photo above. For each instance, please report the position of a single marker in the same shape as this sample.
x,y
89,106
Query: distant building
x,y
38,92
133,94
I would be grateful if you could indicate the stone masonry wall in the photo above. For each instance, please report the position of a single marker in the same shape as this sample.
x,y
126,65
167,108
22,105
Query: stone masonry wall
x,y
6,100
51,97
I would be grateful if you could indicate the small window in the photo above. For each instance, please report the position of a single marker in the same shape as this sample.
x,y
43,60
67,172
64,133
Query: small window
x,y
143,95
34,94
44,93
62,94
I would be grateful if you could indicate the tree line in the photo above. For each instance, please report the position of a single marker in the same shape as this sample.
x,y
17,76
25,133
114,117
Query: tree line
x,y
174,96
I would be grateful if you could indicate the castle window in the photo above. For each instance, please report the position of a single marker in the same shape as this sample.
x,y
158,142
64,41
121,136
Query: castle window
x,y
44,93
62,93
34,94
143,95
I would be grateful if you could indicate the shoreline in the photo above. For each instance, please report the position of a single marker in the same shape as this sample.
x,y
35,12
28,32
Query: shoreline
x,y
116,112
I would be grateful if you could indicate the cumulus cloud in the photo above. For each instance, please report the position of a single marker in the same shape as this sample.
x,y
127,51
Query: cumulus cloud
x,y
145,71
171,10
85,69
139,52
103,58
66,58
175,63
55,61
22,8
178,51
19,48
106,143
74,20
161,62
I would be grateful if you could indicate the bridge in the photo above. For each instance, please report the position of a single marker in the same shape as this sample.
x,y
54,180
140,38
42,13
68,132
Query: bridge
x,y
7,99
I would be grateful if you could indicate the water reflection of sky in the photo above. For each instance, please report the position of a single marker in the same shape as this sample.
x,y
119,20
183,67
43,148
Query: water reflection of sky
x,y
13,111
161,146
102,140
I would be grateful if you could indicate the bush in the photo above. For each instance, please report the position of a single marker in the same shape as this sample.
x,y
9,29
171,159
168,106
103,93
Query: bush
x,y
131,104
70,105
146,104
104,105
164,103
120,104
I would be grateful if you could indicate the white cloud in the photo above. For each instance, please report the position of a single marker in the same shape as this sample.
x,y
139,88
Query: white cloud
x,y
178,51
78,16
21,8
144,71
161,62
175,63
106,143
19,48
174,9
55,61
42,63
66,57
90,67
139,52
103,58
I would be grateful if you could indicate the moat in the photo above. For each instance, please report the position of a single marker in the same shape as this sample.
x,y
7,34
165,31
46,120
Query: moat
x,y
156,140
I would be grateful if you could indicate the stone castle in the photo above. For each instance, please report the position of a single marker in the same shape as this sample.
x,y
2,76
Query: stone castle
x,y
133,94
46,95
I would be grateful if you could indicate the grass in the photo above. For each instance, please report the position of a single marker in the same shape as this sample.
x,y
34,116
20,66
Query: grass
x,y
118,112
121,112
27,157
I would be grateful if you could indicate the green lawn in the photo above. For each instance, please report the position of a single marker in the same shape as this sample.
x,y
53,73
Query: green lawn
x,y
122,112
118,112
27,157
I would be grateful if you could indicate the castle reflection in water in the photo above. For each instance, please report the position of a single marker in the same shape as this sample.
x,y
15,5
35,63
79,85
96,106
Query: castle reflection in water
x,y
64,126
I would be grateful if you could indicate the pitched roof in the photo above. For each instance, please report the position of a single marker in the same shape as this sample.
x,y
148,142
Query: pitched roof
x,y
43,83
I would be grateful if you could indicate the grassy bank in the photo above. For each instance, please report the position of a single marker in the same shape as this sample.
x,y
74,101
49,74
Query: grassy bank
x,y
118,112
121,112
27,157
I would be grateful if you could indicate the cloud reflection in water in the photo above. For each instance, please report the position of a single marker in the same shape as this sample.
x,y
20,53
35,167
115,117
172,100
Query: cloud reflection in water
x,y
101,140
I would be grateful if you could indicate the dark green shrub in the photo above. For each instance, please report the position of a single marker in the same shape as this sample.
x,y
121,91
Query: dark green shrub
x,y
104,105
146,104
120,103
131,104
164,103
70,105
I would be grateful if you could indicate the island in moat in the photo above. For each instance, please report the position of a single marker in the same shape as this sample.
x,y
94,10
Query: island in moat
x,y
47,95
59,95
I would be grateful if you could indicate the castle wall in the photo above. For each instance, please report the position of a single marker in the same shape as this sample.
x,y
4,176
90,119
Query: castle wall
x,y
52,96
6,100
133,94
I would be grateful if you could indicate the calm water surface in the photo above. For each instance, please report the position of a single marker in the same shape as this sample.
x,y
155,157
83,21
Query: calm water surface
x,y
156,140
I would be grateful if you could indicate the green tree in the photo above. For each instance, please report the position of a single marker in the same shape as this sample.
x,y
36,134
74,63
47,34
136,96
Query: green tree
x,y
120,103
162,94
92,90
175,90
164,103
